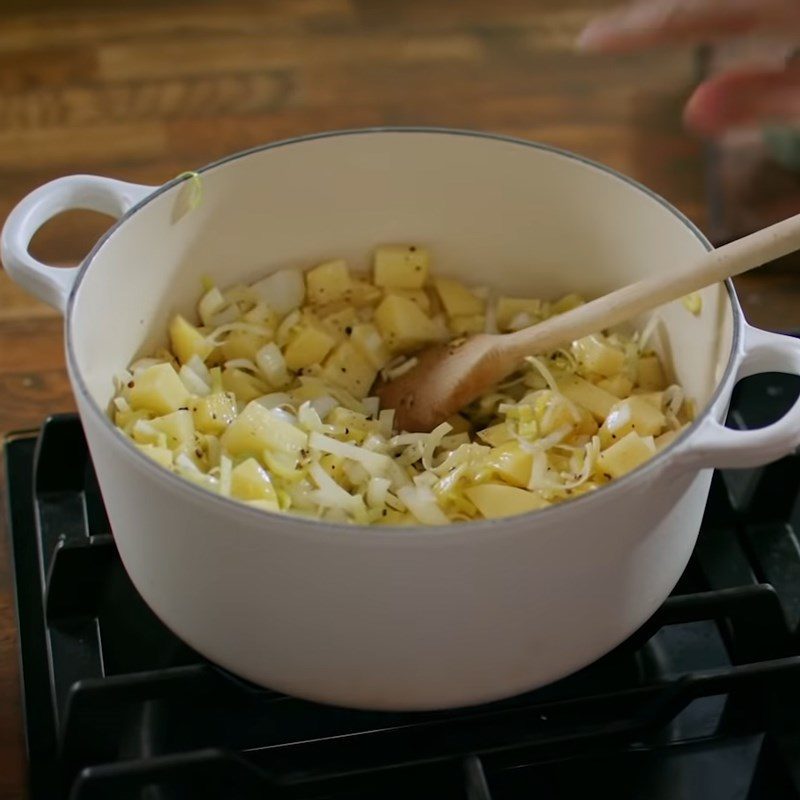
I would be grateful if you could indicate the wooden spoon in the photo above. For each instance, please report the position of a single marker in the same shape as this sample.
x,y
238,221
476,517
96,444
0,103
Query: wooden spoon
x,y
448,377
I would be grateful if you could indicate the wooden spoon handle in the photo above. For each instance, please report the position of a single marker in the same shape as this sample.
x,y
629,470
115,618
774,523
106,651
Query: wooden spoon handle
x,y
623,304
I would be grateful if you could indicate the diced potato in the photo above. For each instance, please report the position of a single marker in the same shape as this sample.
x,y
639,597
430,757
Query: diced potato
x,y
245,387
418,296
401,266
242,344
361,294
341,322
346,418
656,399
619,385
496,435
649,374
178,427
157,389
511,463
257,429
346,367
249,481
403,326
459,424
509,307
632,414
368,341
309,345
328,282
334,466
394,517
127,419
213,413
598,356
458,301
594,399
567,303
161,455
465,325
187,341
625,455
587,425
495,500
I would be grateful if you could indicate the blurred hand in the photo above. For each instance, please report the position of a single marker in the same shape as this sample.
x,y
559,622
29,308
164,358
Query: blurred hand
x,y
733,99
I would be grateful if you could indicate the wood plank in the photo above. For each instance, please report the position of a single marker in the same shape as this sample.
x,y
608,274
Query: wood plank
x,y
90,105
90,145
51,25
202,55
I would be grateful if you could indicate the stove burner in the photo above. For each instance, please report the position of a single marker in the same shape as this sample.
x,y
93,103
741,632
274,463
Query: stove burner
x,y
702,702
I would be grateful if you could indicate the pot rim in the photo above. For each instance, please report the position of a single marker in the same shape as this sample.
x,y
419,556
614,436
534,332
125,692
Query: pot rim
x,y
482,527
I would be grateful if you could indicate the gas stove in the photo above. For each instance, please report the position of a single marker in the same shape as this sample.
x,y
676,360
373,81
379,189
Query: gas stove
x,y
702,703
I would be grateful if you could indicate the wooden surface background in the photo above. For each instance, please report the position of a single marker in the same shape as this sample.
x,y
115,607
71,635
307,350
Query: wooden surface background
x,y
142,90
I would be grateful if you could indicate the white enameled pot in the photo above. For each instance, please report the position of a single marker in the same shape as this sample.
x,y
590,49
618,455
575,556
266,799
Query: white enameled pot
x,y
398,618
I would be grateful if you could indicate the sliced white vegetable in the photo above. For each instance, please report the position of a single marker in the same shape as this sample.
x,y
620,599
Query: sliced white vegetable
x,y
193,382
421,502
374,463
284,290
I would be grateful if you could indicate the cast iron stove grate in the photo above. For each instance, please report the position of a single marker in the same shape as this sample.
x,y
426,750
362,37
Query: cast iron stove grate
x,y
703,702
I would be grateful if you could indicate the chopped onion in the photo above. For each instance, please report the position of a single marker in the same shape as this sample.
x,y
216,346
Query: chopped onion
x,y
421,502
274,400
211,302
374,463
283,291
434,439
323,405
193,382
371,406
377,489
272,364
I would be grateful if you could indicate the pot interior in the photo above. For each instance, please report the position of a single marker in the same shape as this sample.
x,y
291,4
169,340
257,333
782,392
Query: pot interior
x,y
524,219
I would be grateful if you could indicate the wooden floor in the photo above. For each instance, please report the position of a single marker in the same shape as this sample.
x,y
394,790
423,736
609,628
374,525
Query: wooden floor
x,y
145,90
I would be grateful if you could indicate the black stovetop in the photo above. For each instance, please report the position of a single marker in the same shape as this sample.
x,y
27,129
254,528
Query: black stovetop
x,y
703,703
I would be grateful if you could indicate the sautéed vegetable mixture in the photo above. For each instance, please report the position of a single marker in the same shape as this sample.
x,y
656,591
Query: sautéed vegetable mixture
x,y
265,398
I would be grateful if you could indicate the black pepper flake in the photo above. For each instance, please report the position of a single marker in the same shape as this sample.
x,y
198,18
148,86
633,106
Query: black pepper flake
x,y
198,453
348,329
183,408
606,475
613,435
130,384
213,415
344,369
384,512
347,431
418,268
413,248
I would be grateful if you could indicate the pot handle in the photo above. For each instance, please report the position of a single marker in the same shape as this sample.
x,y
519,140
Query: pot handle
x,y
714,445
89,192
